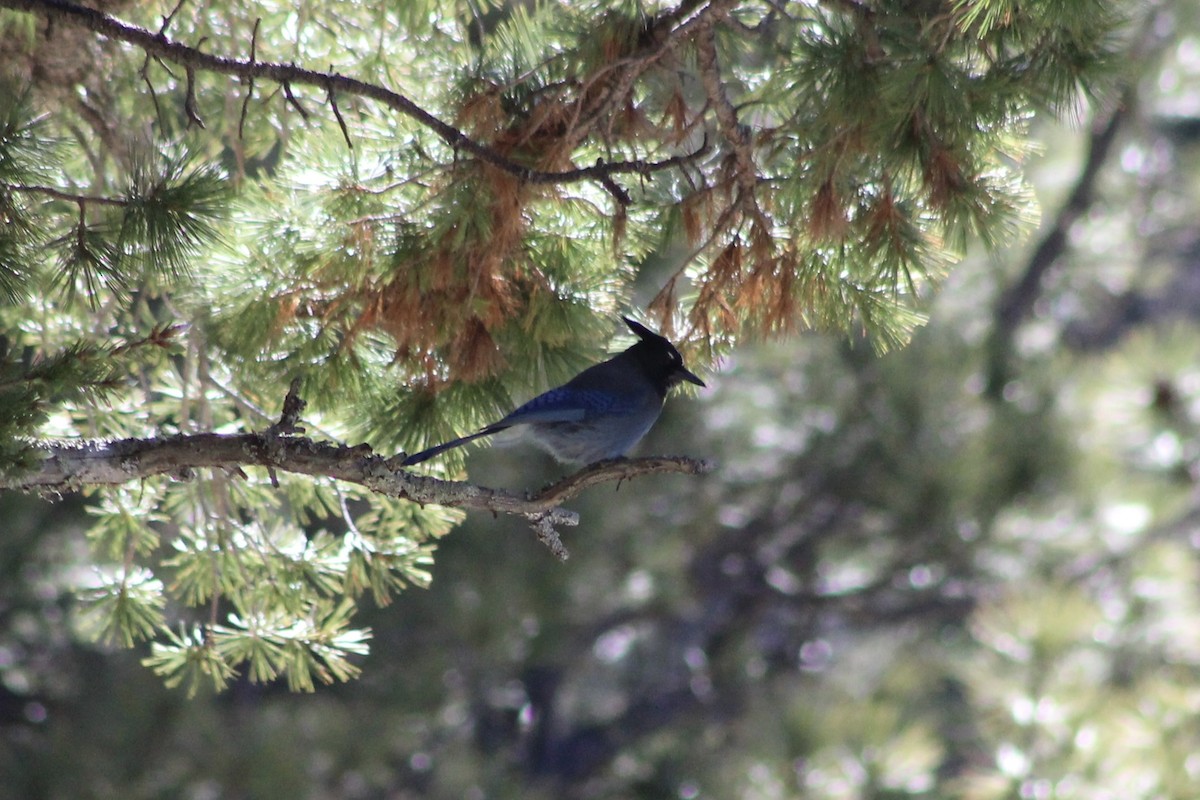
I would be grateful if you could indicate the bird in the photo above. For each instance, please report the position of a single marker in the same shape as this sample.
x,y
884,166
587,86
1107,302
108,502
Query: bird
x,y
600,413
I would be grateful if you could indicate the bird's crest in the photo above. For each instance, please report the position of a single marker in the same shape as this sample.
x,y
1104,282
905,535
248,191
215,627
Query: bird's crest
x,y
643,333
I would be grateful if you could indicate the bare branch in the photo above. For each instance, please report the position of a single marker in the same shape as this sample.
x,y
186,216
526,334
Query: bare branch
x,y
192,59
70,197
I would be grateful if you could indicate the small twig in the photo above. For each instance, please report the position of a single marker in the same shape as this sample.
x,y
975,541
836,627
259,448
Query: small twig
x,y
723,223
346,515
620,195
166,67
249,78
189,102
620,469
603,169
145,73
337,112
162,31
59,194
293,406
81,228
291,98
288,424
161,336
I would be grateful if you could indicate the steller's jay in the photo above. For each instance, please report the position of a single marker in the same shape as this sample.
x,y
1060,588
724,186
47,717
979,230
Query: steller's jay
x,y
601,412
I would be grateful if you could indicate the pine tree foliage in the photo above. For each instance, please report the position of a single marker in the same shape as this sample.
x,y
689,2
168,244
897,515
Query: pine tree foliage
x,y
762,167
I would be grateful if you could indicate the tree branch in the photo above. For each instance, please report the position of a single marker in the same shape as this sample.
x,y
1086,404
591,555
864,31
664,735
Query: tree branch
x,y
1017,301
193,59
737,135
70,465
70,197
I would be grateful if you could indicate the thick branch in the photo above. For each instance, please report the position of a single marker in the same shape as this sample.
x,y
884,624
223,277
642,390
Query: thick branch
x,y
73,465
193,59
737,135
1017,301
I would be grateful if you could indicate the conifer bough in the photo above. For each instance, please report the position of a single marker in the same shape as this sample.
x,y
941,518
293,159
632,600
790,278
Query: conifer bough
x,y
774,166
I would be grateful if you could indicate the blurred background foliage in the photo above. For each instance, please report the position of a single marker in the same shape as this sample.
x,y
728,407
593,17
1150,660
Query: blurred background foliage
x,y
967,568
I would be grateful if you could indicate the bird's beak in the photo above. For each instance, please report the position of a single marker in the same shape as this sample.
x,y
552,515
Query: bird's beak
x,y
684,375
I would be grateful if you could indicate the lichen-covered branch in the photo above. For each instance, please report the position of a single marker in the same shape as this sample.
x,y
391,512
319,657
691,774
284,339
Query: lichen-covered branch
x,y
71,465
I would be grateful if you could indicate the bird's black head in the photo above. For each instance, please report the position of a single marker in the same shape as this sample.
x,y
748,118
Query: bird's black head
x,y
659,358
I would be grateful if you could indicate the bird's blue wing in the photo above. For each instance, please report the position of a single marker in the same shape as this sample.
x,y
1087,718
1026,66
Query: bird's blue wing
x,y
566,404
